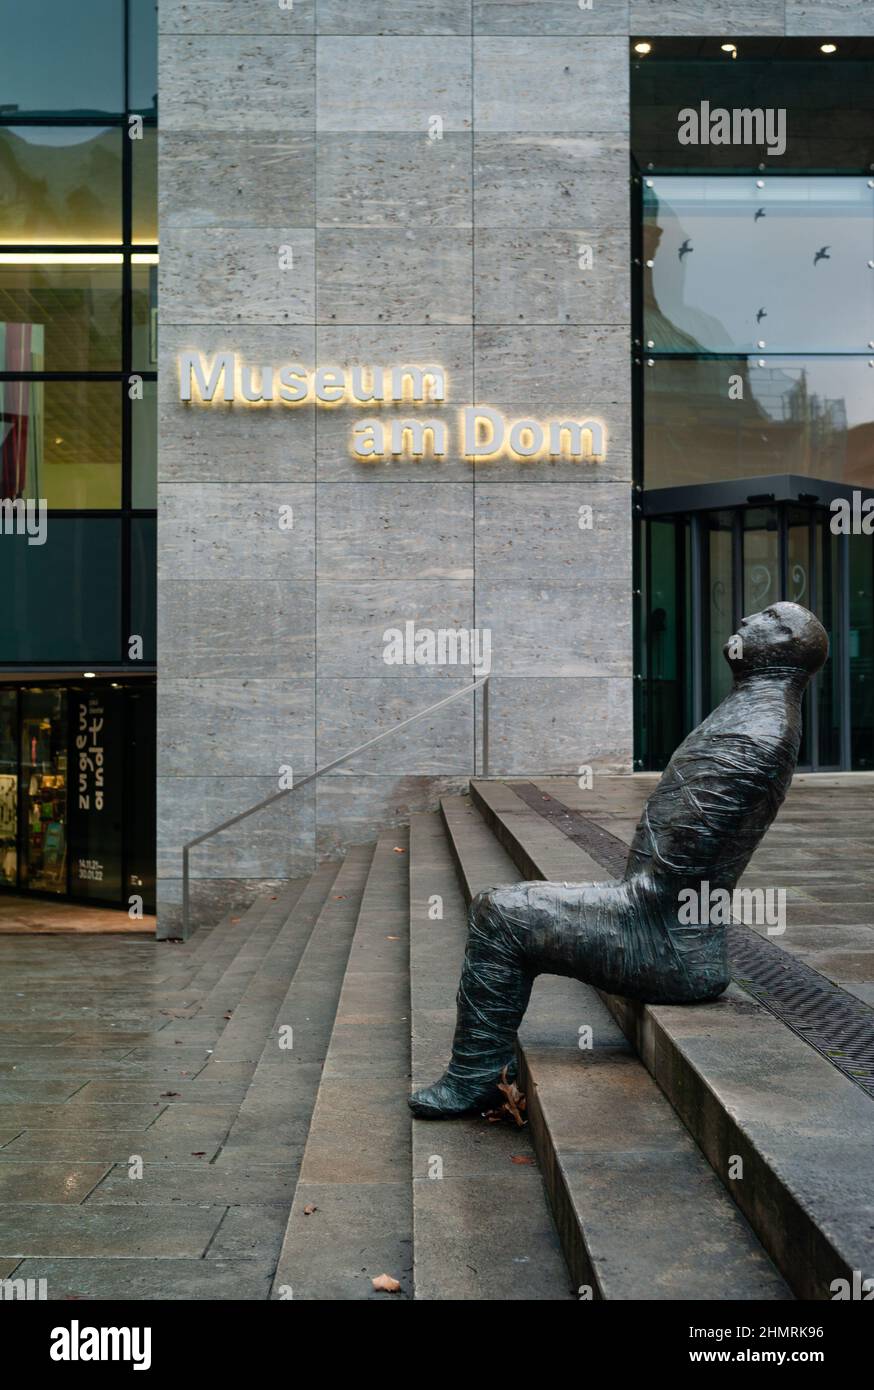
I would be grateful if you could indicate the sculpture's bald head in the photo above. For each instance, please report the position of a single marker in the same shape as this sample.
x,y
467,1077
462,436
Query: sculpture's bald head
x,y
783,635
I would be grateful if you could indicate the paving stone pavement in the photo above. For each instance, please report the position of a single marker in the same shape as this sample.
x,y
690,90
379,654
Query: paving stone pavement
x,y
113,1119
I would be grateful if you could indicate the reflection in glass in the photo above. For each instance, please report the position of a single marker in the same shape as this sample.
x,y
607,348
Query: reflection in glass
x,y
145,187
62,600
44,789
60,58
144,282
144,437
61,441
813,417
8,787
143,56
761,565
60,185
736,266
64,314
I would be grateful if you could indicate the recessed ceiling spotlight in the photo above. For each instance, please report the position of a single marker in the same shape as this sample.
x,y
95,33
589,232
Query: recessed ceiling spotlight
x,y
729,48
828,48
89,675
643,48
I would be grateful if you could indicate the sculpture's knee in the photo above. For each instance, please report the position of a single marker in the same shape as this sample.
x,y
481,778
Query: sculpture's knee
x,y
499,918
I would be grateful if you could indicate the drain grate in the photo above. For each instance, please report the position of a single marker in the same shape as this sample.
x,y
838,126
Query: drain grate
x,y
835,1023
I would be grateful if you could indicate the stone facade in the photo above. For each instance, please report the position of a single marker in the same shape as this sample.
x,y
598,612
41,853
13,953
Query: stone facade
x,y
311,127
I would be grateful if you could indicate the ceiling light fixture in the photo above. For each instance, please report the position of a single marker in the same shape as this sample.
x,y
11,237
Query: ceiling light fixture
x,y
643,48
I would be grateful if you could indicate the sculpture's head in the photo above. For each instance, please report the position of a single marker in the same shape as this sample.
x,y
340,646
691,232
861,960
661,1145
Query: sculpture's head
x,y
785,635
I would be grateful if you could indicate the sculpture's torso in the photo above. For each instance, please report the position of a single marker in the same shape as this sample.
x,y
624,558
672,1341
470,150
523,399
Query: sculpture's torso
x,y
722,788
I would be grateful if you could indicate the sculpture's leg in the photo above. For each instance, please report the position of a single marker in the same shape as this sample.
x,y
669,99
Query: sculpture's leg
x,y
492,998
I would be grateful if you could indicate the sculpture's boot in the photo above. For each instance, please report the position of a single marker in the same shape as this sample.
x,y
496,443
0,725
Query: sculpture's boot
x,y
492,998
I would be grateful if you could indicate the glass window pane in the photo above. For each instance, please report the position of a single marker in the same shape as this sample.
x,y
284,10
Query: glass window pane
x,y
8,787
141,808
828,607
719,616
741,268
61,600
861,640
143,56
144,569
144,281
814,417
144,435
60,185
61,441
62,314
96,792
44,789
829,105
60,57
145,187
761,564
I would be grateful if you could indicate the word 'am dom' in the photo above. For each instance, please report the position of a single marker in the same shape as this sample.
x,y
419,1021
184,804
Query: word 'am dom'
x,y
484,433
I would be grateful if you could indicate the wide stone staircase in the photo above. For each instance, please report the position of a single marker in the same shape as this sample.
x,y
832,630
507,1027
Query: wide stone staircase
x,y
260,1074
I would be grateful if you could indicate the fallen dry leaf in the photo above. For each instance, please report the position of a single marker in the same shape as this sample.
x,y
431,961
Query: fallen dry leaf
x,y
339,897
201,1153
513,1106
522,1158
166,1094
392,938
309,1209
399,850
229,1014
385,1284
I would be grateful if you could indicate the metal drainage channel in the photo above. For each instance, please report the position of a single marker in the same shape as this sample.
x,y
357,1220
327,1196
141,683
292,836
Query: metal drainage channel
x,y
839,1026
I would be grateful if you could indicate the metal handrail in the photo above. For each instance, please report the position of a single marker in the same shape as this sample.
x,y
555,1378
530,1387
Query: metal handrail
x,y
329,767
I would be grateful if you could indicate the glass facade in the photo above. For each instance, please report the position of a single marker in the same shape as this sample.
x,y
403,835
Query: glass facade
x,y
754,326
78,443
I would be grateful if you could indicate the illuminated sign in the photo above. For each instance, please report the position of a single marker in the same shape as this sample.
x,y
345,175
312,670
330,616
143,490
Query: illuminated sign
x,y
482,433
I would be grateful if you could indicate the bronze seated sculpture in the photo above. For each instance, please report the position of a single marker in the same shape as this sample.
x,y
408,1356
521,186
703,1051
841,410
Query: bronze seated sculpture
x,y
720,792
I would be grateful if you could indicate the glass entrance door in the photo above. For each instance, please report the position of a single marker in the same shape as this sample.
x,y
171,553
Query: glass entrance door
x,y
706,570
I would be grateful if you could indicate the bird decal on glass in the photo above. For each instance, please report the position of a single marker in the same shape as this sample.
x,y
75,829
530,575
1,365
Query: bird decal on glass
x,y
760,212
822,254
685,249
761,315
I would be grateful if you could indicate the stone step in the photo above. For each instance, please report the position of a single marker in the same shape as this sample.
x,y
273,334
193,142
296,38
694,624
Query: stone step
x,y
639,1211
482,1228
273,1120
201,1008
254,946
351,1218
255,1014
746,1087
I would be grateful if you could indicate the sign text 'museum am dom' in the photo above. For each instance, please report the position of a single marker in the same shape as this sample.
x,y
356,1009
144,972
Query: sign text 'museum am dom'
x,y
483,432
